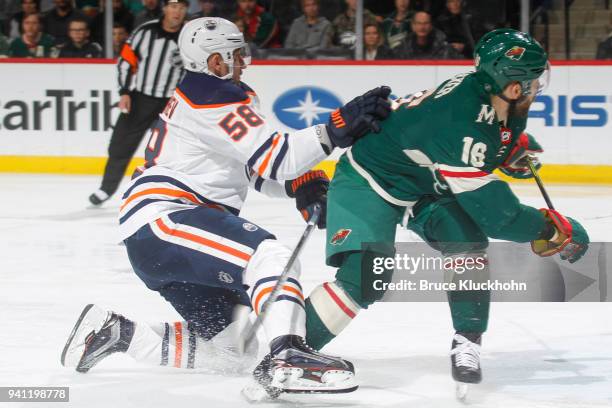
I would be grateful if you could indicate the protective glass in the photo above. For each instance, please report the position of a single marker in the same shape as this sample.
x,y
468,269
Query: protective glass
x,y
244,54
538,85
543,80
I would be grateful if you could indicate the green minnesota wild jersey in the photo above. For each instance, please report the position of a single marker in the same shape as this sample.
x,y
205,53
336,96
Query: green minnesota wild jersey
x,y
447,142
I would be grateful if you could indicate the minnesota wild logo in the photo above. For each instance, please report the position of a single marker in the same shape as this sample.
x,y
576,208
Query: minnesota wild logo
x,y
515,53
340,236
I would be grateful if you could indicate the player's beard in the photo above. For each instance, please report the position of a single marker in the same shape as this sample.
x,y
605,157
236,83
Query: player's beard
x,y
520,108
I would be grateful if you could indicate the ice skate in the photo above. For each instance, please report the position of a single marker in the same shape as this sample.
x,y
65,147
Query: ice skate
x,y
294,367
98,197
465,362
96,335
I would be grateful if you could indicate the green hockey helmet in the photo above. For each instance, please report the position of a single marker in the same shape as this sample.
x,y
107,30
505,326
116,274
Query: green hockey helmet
x,y
505,55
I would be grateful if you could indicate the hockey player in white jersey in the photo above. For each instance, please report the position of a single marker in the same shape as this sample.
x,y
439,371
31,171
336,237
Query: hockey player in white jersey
x,y
180,222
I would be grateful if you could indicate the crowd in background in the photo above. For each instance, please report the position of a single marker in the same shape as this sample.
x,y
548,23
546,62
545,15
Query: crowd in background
x,y
393,29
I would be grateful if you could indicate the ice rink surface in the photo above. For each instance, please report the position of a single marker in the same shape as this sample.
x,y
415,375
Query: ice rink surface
x,y
57,256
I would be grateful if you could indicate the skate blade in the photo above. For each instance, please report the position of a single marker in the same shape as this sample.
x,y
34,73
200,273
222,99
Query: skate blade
x,y
461,391
291,381
92,318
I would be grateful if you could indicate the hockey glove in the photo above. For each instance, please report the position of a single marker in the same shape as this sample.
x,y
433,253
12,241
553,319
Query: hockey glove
x,y
569,238
525,149
358,117
308,190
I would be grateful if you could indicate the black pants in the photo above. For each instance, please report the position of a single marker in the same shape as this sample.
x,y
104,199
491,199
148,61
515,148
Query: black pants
x,y
129,131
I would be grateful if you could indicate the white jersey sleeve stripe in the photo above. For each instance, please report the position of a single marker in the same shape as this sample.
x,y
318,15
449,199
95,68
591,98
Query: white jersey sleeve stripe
x,y
465,179
263,166
279,157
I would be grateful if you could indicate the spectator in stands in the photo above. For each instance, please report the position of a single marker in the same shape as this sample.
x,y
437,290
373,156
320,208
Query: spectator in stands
x,y
33,42
88,7
79,45
425,42
121,15
457,25
208,8
8,8
4,46
260,25
604,49
310,31
27,7
152,10
242,27
434,7
397,25
330,9
285,12
134,6
120,36
344,24
380,8
374,44
55,21
226,9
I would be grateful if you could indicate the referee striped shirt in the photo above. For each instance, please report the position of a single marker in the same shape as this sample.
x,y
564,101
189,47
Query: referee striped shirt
x,y
150,62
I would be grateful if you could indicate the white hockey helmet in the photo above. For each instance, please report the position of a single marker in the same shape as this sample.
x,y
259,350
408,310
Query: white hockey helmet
x,y
202,37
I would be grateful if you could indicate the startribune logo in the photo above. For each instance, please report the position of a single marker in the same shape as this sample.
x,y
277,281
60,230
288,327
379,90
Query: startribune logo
x,y
515,53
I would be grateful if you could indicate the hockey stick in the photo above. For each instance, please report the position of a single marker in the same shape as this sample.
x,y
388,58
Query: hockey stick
x,y
249,333
538,180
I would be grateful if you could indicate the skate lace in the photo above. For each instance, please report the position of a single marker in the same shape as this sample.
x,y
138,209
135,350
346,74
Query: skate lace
x,y
467,353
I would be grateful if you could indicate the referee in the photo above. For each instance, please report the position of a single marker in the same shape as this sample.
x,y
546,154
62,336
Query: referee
x,y
149,68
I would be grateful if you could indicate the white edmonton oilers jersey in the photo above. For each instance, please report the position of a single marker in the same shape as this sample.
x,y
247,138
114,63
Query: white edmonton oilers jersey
x,y
209,144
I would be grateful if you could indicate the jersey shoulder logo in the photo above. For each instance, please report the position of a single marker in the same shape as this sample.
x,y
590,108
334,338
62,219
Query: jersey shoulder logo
x,y
506,135
340,236
225,277
486,114
249,227
515,53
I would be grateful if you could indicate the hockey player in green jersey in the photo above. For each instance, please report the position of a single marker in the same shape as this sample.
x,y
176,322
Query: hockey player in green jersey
x,y
433,163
